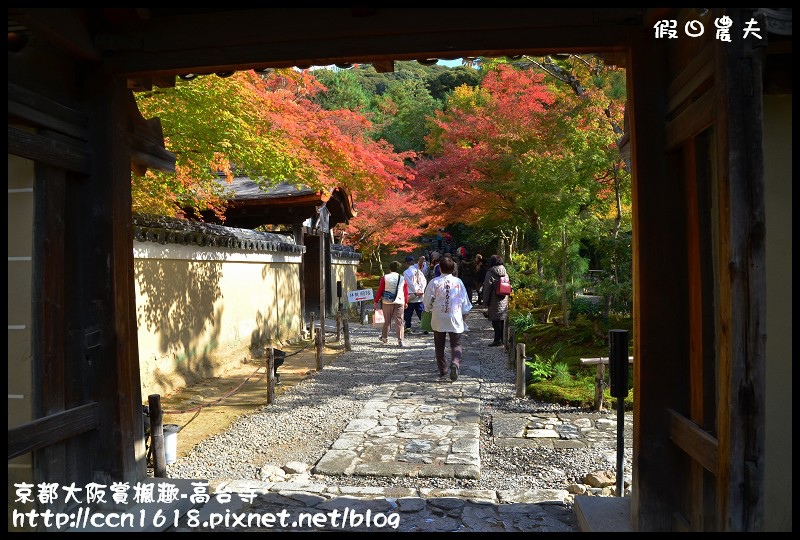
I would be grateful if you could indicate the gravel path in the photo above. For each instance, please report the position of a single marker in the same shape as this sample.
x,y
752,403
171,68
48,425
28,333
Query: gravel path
x,y
305,421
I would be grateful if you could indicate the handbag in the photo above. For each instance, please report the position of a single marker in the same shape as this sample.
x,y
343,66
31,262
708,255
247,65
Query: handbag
x,y
377,318
425,321
502,287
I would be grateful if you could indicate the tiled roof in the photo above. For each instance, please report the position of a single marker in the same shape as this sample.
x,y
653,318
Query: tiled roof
x,y
165,230
246,188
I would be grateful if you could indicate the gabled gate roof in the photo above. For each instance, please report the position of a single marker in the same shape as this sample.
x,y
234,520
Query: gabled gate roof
x,y
252,205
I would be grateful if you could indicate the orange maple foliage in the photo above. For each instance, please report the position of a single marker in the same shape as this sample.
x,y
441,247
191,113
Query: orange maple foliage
x,y
515,147
266,127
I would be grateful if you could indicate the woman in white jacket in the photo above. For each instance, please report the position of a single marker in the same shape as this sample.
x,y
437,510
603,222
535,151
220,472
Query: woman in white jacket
x,y
446,299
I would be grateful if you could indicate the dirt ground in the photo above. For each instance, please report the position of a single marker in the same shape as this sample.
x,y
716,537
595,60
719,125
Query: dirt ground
x,y
221,400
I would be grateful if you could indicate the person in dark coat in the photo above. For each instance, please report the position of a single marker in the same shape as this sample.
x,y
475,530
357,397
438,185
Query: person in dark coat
x,y
479,271
496,306
466,269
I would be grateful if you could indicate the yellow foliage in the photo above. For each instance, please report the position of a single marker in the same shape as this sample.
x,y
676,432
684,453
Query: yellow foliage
x,y
523,300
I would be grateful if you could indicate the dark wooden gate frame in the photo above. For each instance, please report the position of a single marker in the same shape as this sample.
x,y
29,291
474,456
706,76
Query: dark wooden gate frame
x,y
86,357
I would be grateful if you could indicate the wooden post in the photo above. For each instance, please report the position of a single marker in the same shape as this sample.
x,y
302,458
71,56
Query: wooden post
x,y
346,335
323,267
598,386
339,326
505,331
521,390
157,436
311,335
271,376
362,308
599,380
319,347
512,349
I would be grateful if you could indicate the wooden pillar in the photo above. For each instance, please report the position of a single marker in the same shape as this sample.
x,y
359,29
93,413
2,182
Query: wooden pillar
x,y
346,325
521,382
320,344
322,277
157,448
511,348
659,291
105,340
599,383
271,376
299,239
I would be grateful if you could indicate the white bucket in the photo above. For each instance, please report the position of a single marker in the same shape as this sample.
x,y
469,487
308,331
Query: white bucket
x,y
171,442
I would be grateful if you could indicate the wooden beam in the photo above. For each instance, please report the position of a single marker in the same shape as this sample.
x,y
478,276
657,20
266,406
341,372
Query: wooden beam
x,y
142,160
60,26
46,150
49,430
659,302
145,139
32,109
690,438
236,40
696,486
36,117
116,362
694,119
697,74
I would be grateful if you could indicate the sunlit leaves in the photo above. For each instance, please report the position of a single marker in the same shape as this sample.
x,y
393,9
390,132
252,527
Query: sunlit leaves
x,y
522,149
266,127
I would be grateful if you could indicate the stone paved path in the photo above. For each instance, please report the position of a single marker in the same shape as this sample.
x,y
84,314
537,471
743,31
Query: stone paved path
x,y
419,425
414,424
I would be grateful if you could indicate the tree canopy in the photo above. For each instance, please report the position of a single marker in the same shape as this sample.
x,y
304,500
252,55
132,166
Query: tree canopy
x,y
524,152
267,127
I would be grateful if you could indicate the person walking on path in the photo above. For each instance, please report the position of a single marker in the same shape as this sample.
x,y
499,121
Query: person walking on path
x,y
479,271
392,297
430,273
422,265
466,275
446,299
416,282
496,306
437,271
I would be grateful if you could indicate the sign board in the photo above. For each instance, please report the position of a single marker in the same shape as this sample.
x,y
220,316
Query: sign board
x,y
357,296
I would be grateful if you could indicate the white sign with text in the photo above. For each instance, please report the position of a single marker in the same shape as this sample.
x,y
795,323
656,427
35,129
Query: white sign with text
x,y
358,296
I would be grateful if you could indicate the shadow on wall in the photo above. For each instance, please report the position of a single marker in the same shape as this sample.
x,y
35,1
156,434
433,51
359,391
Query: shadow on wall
x,y
180,307
277,319
261,337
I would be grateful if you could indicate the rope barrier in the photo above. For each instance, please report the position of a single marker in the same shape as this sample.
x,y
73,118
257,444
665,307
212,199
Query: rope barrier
x,y
199,408
229,394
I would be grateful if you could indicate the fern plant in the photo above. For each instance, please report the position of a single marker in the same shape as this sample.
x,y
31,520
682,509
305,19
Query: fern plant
x,y
541,367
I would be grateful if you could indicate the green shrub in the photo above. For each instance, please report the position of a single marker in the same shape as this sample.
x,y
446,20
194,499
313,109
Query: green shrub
x,y
539,369
584,306
521,321
561,377
561,374
542,367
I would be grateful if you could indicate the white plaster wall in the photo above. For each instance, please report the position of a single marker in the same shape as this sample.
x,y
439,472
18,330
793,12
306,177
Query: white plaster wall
x,y
778,207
